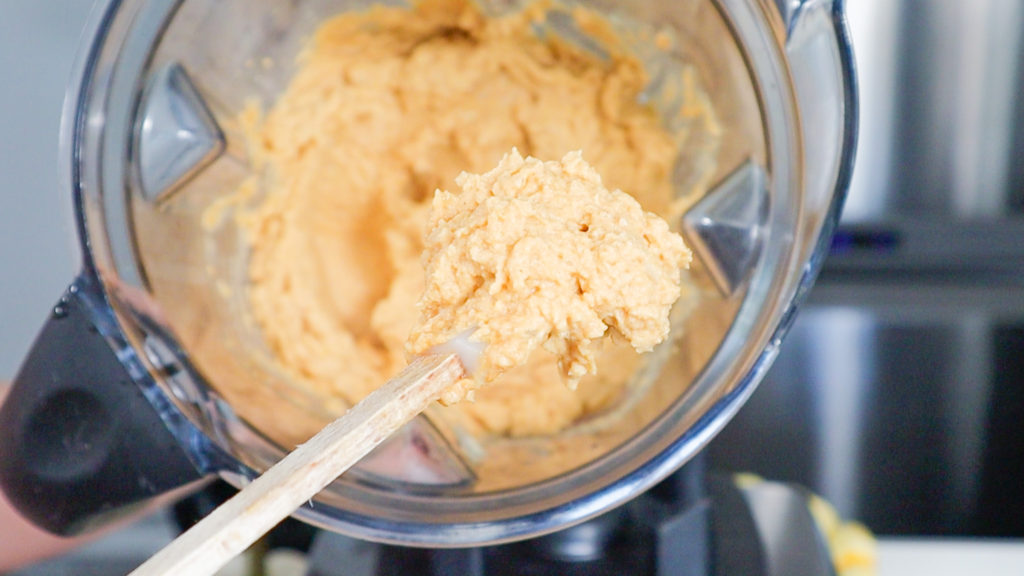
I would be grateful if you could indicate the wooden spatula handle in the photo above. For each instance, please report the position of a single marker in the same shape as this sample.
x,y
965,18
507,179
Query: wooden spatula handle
x,y
236,524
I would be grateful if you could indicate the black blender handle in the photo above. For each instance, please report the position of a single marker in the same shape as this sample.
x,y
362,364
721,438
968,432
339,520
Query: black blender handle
x,y
80,445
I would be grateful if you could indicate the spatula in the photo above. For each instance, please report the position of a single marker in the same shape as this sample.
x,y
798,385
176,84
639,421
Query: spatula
x,y
302,474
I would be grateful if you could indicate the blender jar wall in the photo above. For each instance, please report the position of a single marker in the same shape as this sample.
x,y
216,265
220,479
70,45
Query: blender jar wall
x,y
198,272
146,247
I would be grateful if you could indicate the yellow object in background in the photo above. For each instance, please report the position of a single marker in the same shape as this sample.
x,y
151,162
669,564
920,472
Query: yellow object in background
x,y
852,546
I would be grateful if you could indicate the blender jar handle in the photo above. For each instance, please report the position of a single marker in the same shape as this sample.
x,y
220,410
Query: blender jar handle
x,y
80,445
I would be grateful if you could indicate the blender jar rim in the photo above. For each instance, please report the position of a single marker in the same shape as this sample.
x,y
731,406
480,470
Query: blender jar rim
x,y
656,453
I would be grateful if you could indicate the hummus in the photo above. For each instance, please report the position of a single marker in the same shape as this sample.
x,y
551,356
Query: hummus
x,y
540,254
388,105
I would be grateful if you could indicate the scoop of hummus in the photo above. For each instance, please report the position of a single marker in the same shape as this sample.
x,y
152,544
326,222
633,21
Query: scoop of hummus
x,y
537,254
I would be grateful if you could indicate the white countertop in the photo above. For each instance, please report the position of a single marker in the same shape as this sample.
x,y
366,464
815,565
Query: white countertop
x,y
949,557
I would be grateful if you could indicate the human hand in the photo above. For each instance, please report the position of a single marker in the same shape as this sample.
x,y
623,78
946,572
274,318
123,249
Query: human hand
x,y
22,542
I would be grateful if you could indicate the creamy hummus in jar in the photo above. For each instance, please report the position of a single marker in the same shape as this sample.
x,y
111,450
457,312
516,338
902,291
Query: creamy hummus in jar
x,y
390,104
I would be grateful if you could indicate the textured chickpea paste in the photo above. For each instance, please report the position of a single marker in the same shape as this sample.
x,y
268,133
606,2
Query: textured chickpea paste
x,y
540,254
388,105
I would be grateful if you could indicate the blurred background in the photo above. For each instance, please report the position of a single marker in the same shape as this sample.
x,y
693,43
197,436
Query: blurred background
x,y
38,253
899,394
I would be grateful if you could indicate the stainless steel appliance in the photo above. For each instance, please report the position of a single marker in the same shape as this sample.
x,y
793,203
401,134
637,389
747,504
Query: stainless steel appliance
x,y
898,394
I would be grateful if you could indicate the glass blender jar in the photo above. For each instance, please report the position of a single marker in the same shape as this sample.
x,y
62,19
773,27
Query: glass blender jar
x,y
149,375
